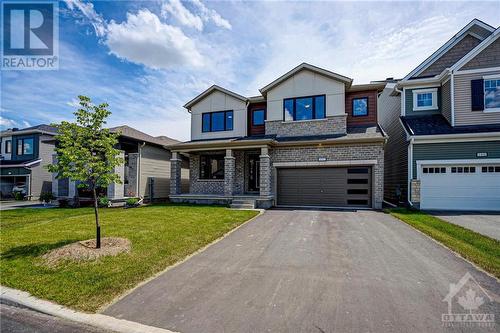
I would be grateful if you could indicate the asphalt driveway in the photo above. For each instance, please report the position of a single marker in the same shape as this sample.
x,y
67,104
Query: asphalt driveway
x,y
487,224
308,271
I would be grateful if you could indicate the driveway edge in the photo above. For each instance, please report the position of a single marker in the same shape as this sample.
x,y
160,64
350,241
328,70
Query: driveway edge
x,y
96,320
140,284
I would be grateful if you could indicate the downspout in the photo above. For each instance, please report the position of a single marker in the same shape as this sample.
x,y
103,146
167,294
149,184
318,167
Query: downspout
x,y
410,169
452,87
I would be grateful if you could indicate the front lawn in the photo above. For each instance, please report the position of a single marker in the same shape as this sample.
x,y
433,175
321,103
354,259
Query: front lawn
x,y
161,235
481,250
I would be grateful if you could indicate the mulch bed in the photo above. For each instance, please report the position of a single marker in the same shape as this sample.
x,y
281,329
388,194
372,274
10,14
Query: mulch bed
x,y
86,251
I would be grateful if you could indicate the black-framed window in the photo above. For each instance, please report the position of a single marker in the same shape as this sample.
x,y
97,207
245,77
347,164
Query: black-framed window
x,y
25,146
212,167
217,121
304,108
360,107
8,146
258,117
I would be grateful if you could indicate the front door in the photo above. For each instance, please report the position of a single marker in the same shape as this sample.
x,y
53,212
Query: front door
x,y
253,173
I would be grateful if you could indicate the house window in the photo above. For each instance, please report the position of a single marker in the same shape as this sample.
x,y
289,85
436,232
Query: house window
x,y
25,146
217,121
492,94
212,167
258,117
8,146
304,108
425,99
360,107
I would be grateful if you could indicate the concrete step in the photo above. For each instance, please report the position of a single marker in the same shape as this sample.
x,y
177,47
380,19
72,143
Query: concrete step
x,y
243,201
242,206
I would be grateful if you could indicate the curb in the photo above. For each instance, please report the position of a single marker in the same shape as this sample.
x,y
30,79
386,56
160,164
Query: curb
x,y
97,320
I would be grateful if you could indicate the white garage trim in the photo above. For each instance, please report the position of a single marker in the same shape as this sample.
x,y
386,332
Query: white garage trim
x,y
451,162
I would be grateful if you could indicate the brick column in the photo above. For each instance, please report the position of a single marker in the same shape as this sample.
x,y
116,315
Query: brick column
x,y
229,173
415,192
265,172
175,174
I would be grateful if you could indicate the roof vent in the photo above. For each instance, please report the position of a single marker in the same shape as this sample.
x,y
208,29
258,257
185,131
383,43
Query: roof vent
x,y
390,79
15,129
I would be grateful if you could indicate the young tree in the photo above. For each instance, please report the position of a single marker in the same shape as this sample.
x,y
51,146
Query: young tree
x,y
85,151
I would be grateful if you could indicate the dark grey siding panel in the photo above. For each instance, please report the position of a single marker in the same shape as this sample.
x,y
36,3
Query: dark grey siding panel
x,y
446,100
453,151
409,103
396,148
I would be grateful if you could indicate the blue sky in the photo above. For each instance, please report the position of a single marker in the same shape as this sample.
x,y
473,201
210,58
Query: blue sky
x,y
147,58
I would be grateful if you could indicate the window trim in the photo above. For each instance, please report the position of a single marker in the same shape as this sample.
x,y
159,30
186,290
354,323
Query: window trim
x,y
21,140
434,105
225,112
252,118
486,78
295,107
367,107
211,156
10,146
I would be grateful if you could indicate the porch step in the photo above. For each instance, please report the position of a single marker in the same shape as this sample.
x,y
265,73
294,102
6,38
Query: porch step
x,y
243,204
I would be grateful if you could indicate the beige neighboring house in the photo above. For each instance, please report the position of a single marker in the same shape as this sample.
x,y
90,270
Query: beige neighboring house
x,y
145,173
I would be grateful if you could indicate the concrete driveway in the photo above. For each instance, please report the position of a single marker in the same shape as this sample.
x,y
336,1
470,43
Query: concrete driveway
x,y
308,271
484,223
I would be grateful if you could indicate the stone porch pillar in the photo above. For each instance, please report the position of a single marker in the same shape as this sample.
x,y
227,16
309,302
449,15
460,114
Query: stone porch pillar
x,y
116,191
175,174
229,173
265,172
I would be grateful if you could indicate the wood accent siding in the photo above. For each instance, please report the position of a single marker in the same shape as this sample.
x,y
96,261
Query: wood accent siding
x,y
396,148
463,109
446,100
256,130
489,57
371,118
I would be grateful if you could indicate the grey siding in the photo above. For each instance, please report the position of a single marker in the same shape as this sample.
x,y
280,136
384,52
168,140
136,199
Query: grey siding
x,y
453,151
409,103
446,100
396,149
41,178
463,112
489,57
154,162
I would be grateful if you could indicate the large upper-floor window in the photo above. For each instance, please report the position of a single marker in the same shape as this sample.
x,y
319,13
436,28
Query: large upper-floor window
x,y
211,166
425,99
25,146
492,94
258,117
304,108
217,121
360,107
8,146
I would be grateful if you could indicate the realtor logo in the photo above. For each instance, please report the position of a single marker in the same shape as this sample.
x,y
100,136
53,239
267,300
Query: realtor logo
x,y
464,305
30,33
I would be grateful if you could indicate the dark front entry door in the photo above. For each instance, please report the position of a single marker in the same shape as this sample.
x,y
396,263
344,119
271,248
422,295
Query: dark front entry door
x,y
253,173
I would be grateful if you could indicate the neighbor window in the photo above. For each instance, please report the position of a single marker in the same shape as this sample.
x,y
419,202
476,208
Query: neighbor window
x,y
217,121
8,146
492,94
360,107
425,99
258,117
304,108
25,146
212,167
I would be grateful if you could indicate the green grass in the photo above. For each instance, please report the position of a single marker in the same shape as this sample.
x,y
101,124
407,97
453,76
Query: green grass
x,y
161,235
481,250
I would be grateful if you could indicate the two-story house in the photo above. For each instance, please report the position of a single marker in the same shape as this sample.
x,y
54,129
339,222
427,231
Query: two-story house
x,y
310,139
24,156
443,122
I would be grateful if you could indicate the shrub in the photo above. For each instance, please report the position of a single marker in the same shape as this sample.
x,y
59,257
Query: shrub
x,y
131,202
63,203
17,195
47,197
103,202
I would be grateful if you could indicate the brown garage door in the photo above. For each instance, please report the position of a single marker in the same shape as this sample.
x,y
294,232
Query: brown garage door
x,y
330,187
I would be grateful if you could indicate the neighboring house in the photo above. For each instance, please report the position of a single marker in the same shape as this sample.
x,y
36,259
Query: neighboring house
x,y
310,139
24,156
443,122
145,173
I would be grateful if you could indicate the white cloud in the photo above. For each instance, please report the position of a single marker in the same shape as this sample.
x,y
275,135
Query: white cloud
x,y
212,15
26,123
87,9
176,9
6,122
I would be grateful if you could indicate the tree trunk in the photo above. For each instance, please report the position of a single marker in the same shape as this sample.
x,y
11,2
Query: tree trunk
x,y
97,225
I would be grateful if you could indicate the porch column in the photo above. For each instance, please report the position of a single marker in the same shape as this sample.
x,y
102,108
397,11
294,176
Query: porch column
x,y
175,174
265,172
115,191
229,173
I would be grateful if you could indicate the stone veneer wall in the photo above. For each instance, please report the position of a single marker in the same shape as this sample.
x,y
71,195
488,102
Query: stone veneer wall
x,y
415,192
329,125
338,153
197,186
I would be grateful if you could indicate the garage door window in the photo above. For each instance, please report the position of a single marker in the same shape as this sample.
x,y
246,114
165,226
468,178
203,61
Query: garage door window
x,y
463,169
490,169
434,170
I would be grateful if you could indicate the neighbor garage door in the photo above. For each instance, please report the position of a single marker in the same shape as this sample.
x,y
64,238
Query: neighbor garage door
x,y
460,187
329,187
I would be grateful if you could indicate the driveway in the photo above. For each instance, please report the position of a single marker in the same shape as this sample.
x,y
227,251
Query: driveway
x,y
308,271
484,223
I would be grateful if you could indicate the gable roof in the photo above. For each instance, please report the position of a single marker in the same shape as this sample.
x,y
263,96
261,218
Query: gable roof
x,y
132,133
42,128
207,92
449,44
327,73
478,49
